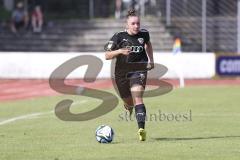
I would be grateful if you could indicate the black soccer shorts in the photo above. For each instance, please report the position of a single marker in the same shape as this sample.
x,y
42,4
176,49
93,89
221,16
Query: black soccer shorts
x,y
125,81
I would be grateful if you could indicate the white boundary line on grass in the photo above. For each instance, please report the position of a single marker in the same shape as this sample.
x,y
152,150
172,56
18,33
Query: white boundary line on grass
x,y
27,116
34,115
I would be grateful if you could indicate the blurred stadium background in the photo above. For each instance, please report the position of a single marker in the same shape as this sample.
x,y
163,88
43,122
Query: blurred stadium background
x,y
197,40
203,26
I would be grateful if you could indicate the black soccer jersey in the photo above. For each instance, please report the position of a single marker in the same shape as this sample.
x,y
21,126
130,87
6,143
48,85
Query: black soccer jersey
x,y
134,42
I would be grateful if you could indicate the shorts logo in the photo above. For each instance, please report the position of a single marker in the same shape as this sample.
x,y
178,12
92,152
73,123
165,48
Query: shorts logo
x,y
140,40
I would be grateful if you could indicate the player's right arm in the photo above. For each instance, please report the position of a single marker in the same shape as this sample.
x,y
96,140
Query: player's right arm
x,y
113,49
115,53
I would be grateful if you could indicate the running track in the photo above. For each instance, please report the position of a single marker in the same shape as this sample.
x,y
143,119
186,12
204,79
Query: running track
x,y
25,89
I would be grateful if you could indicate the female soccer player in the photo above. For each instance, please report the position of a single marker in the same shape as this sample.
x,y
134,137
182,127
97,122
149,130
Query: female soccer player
x,y
132,48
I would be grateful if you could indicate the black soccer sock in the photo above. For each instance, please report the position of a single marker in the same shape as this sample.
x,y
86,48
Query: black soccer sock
x,y
140,112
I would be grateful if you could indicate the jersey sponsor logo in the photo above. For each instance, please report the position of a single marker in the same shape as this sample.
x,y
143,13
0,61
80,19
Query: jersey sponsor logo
x,y
136,49
140,40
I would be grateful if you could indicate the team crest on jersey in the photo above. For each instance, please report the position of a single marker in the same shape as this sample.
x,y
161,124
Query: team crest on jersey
x,y
140,40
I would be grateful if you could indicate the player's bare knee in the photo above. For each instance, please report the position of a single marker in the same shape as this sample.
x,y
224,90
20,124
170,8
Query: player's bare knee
x,y
138,100
137,88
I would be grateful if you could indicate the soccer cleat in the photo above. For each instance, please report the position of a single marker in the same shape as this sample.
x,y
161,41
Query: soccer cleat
x,y
128,109
142,134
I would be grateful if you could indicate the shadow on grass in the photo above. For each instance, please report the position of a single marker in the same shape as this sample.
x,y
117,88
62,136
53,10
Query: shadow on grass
x,y
111,143
194,138
115,142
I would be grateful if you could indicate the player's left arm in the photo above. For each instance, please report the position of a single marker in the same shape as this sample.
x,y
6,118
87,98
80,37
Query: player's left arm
x,y
149,50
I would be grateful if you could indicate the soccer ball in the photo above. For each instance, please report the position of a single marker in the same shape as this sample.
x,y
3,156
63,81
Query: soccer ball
x,y
104,134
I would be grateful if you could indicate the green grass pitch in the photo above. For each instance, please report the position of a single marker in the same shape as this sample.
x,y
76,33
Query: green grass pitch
x,y
207,127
